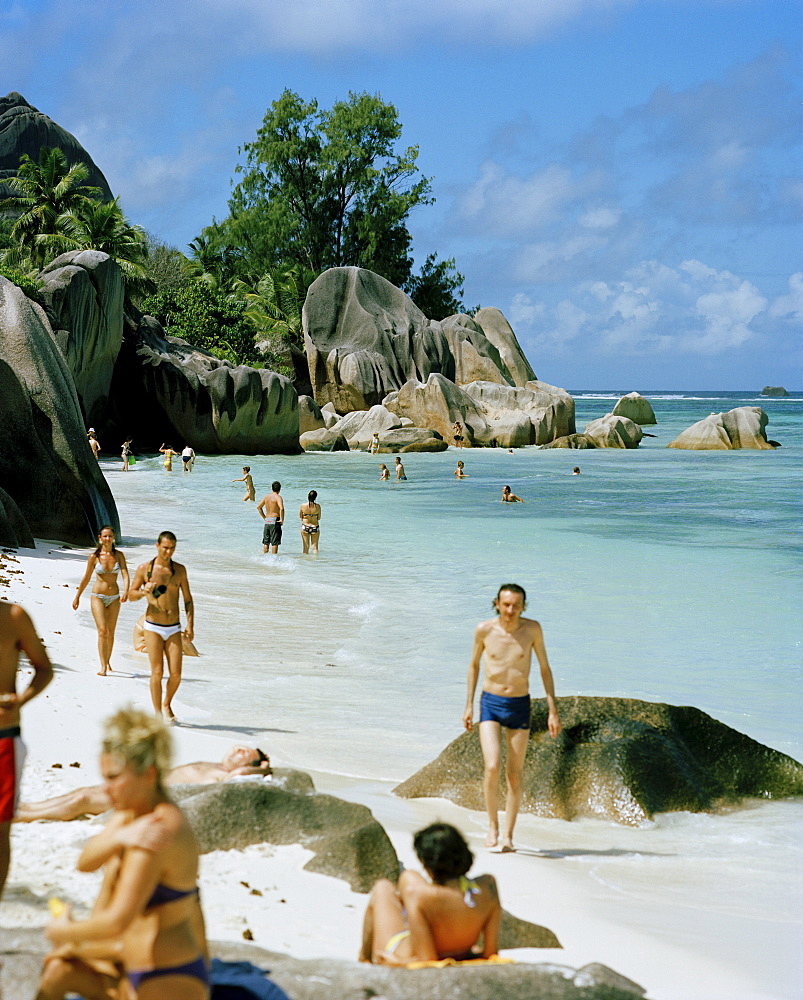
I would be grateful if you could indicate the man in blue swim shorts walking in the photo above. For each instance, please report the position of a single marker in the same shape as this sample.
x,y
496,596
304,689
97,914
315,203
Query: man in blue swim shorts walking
x,y
505,644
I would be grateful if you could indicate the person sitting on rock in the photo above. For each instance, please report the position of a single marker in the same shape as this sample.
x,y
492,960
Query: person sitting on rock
x,y
94,800
449,916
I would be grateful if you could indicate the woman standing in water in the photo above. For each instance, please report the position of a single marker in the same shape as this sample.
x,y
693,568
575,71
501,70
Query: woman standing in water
x,y
149,896
310,514
105,563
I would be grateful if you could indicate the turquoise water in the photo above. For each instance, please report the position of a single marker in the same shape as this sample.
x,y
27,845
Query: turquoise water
x,y
658,574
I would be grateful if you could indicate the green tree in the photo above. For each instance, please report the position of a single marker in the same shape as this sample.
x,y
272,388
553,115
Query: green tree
x,y
436,288
206,317
99,225
43,194
325,189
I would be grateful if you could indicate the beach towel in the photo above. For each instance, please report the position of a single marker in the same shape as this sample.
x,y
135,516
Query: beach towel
x,y
242,981
441,963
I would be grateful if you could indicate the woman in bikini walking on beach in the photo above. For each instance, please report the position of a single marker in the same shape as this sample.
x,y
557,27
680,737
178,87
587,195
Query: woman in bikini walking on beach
x,y
148,903
105,563
310,514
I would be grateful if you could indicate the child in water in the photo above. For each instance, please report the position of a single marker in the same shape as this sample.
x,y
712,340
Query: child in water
x,y
249,484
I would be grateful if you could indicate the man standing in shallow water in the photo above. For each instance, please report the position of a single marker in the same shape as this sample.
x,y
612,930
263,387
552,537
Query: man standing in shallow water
x,y
271,510
160,582
506,643
17,635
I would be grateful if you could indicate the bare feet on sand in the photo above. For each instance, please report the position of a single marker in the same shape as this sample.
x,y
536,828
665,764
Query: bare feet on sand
x,y
167,715
493,838
106,670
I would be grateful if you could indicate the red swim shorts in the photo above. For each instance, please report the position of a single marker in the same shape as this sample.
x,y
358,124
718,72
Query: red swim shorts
x,y
12,757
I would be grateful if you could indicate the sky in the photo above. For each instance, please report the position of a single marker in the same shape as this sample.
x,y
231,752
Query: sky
x,y
620,177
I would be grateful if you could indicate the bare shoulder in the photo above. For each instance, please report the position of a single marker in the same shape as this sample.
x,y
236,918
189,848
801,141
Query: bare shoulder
x,y
485,627
180,570
488,882
532,626
17,618
170,814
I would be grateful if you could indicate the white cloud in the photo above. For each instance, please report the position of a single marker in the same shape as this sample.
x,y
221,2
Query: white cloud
x,y
790,306
603,217
690,310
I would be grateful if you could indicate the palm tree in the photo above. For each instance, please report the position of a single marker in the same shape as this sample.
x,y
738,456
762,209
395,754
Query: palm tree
x,y
274,306
42,194
102,226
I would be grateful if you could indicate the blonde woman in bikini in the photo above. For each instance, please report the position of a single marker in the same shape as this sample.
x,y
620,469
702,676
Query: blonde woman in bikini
x,y
310,514
105,563
445,916
147,924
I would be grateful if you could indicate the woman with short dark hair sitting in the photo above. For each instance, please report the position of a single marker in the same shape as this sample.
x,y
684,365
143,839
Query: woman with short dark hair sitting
x,y
449,916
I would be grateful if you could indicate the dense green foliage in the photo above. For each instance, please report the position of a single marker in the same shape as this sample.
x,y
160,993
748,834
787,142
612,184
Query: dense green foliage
x,y
319,189
326,188
436,288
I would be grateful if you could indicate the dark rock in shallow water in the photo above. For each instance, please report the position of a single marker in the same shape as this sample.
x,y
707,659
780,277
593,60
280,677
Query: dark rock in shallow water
x,y
776,391
22,952
348,842
24,129
620,759
46,464
576,441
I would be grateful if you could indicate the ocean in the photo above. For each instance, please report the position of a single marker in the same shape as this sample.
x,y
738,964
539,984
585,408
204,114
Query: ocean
x,y
657,574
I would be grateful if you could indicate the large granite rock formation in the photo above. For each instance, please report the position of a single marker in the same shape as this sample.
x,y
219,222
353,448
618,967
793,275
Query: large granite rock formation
x,y
83,299
636,408
475,357
742,427
348,842
365,337
14,530
621,759
46,464
163,388
24,129
576,441
22,951
612,431
497,329
491,414
310,417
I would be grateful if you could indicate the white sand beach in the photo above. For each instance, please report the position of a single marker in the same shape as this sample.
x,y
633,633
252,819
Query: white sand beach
x,y
676,952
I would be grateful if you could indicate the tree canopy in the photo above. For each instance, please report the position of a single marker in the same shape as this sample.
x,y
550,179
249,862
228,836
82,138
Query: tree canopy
x,y
326,188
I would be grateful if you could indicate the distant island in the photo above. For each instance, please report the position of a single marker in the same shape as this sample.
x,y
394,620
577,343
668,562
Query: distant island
x,y
774,390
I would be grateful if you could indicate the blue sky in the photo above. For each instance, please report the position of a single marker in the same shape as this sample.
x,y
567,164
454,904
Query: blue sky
x,y
620,177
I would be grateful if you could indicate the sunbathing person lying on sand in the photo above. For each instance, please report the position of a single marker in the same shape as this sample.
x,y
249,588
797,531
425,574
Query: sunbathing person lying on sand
x,y
450,916
93,800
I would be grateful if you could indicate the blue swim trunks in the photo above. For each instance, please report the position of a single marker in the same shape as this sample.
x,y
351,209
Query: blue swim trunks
x,y
512,713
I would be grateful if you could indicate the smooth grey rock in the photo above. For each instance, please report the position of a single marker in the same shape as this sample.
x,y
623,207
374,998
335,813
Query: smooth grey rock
x,y
365,337
621,759
359,427
163,389
22,952
404,438
492,415
310,417
348,842
432,444
548,410
24,129
475,357
324,439
636,408
613,431
14,530
496,328
742,427
83,295
577,441
46,464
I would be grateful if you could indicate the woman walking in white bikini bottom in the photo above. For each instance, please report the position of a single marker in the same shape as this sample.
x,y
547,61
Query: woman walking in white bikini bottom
x,y
310,514
105,563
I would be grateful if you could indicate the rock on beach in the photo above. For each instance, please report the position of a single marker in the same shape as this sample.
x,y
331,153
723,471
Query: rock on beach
x,y
621,759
